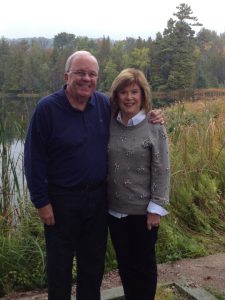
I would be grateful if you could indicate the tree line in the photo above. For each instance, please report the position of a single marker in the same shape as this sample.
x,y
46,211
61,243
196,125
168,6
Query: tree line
x,y
176,59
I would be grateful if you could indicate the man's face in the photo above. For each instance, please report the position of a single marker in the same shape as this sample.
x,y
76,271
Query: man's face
x,y
82,77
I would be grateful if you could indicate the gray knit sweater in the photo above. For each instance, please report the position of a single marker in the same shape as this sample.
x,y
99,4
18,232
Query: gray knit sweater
x,y
138,167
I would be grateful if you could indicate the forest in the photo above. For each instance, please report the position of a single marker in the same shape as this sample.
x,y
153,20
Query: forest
x,y
176,59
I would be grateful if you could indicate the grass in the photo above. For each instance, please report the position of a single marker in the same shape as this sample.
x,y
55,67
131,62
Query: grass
x,y
167,292
171,292
197,198
218,295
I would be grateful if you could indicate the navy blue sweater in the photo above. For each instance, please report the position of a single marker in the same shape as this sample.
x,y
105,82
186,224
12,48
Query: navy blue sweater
x,y
65,146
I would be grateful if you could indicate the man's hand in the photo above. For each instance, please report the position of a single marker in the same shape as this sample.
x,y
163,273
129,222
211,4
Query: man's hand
x,y
153,220
156,116
46,214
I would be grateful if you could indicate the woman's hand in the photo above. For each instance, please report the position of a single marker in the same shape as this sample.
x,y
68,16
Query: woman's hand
x,y
153,220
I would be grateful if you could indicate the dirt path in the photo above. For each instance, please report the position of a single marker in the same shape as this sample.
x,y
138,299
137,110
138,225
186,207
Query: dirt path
x,y
206,272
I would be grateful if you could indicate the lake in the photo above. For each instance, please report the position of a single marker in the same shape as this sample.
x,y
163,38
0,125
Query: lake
x,y
14,118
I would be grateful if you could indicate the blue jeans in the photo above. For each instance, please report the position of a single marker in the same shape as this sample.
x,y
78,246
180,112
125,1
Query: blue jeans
x,y
135,251
80,231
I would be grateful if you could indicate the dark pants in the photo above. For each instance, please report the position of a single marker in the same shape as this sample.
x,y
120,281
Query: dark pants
x,y
135,250
80,230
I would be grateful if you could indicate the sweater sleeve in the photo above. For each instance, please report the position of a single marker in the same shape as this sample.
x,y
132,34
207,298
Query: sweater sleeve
x,y
160,167
35,157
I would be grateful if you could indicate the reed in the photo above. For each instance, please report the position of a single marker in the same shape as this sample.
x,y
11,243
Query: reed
x,y
13,187
197,198
21,233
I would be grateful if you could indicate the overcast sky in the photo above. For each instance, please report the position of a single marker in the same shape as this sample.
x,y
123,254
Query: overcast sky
x,y
117,19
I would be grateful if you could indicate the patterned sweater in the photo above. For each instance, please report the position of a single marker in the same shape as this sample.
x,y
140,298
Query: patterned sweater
x,y
138,167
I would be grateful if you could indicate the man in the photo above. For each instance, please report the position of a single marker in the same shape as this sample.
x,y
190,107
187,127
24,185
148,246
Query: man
x,y
66,167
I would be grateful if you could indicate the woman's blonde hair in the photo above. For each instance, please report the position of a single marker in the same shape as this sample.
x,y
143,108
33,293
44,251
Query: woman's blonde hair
x,y
127,77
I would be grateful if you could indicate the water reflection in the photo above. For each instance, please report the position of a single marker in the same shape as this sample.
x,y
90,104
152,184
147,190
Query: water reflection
x,y
14,118
16,149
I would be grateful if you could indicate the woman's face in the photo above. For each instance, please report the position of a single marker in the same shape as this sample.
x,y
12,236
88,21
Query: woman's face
x,y
130,100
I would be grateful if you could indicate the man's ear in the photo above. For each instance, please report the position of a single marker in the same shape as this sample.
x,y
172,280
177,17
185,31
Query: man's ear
x,y
66,76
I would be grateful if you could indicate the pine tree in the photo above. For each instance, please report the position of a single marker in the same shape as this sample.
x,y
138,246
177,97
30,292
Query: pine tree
x,y
176,56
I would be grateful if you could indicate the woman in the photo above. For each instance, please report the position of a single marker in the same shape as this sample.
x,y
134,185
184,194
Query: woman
x,y
138,183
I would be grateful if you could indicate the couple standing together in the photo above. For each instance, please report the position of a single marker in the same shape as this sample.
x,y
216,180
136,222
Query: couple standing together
x,y
86,170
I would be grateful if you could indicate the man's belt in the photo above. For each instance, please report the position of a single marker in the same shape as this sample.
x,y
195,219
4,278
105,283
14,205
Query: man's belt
x,y
81,187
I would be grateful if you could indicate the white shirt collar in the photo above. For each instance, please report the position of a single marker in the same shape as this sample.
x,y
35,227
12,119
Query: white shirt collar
x,y
140,116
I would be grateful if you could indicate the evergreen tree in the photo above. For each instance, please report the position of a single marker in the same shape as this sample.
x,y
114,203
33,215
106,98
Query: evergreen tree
x,y
211,59
4,60
63,46
176,56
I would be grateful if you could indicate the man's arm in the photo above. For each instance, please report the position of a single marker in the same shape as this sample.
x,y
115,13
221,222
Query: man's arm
x,y
35,161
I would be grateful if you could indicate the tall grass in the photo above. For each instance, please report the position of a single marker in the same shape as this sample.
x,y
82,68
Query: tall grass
x,y
196,222
22,255
21,237
13,191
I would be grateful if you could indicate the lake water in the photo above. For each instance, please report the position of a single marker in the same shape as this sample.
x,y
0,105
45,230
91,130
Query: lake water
x,y
14,118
